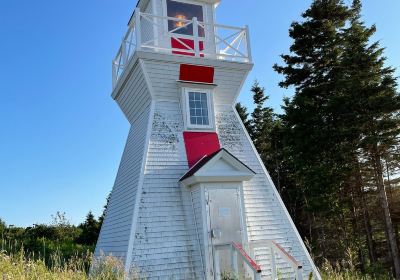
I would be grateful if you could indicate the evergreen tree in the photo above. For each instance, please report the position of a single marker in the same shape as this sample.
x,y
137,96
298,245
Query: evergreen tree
x,y
311,68
244,116
2,226
375,105
90,230
340,126
262,121
105,207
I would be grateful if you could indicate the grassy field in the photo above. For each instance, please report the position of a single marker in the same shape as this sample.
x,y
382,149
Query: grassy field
x,y
21,267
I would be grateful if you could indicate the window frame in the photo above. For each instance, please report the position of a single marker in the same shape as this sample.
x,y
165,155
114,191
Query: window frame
x,y
203,11
210,108
165,13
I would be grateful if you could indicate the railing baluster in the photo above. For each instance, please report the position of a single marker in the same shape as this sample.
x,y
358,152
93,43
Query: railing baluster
x,y
123,54
138,29
299,274
217,266
196,37
234,260
248,44
274,274
114,74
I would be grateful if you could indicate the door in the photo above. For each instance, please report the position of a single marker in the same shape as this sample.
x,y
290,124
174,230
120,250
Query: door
x,y
225,222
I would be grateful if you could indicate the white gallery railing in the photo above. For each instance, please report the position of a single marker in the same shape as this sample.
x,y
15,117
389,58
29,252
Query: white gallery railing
x,y
275,250
148,32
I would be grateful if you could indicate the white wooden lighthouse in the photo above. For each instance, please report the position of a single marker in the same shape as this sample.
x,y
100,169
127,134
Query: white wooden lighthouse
x,y
192,199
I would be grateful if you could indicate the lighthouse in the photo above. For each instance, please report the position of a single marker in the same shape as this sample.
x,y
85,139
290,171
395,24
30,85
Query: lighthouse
x,y
192,198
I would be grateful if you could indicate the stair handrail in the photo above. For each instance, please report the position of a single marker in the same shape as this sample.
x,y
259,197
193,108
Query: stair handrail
x,y
236,250
275,248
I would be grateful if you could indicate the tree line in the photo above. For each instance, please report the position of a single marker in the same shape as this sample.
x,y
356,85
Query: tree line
x,y
334,153
59,238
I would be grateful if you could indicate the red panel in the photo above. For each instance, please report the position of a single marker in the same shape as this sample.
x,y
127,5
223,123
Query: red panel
x,y
188,44
196,73
200,144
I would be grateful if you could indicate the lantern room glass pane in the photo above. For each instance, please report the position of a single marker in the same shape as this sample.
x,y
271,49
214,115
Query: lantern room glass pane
x,y
198,108
184,11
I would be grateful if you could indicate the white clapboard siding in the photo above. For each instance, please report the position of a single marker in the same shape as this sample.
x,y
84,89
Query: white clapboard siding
x,y
265,216
115,231
165,244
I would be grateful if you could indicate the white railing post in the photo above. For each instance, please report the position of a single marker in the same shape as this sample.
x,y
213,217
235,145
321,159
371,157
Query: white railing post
x,y
138,29
124,55
273,264
248,43
234,260
257,275
299,274
217,266
196,37
114,75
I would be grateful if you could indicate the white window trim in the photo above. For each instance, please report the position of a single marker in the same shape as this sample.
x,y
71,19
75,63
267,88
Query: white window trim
x,y
186,109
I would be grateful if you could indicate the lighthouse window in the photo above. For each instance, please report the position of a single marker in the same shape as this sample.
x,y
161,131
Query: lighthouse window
x,y
183,12
198,108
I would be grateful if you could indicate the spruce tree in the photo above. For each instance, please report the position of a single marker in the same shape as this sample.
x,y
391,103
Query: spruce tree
x,y
244,116
341,124
311,69
262,119
374,104
90,230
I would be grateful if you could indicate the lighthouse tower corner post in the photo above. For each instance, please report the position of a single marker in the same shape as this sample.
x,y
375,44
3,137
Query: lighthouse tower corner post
x,y
192,198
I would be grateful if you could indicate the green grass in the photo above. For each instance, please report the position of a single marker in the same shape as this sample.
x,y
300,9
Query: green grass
x,y
19,266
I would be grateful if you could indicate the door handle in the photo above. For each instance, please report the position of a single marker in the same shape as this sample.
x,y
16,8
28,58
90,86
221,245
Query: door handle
x,y
216,233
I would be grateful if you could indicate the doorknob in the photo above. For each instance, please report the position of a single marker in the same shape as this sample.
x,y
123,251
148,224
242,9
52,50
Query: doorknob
x,y
216,233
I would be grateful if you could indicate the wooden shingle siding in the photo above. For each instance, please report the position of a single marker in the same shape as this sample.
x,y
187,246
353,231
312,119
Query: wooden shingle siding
x,y
166,245
115,232
197,209
163,77
265,216
134,96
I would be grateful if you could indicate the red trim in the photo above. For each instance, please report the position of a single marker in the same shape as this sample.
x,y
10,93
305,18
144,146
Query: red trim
x,y
240,249
200,144
177,44
196,73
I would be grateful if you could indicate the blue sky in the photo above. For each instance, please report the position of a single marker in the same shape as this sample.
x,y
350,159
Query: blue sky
x,y
61,134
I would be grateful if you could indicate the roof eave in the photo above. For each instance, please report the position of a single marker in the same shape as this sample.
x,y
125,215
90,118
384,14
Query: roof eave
x,y
193,180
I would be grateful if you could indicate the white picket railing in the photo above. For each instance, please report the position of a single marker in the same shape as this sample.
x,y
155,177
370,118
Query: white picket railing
x,y
148,32
275,250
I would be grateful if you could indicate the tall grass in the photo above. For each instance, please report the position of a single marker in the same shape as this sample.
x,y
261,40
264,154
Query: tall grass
x,y
19,266
347,270
22,266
